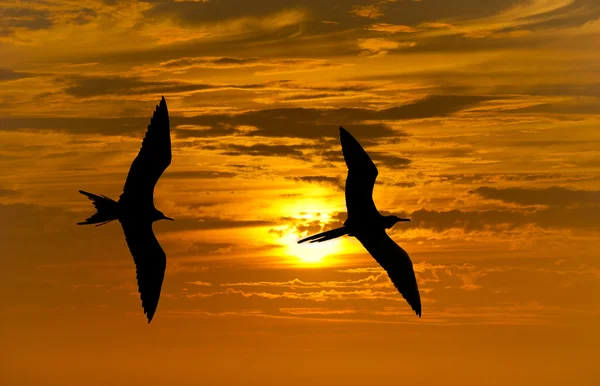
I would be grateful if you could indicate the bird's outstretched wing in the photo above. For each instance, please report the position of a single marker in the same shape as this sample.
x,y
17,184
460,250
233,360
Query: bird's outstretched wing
x,y
362,174
397,264
150,262
152,160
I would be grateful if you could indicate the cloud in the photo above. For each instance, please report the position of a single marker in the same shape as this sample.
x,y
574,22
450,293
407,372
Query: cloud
x,y
487,178
204,223
371,11
382,46
385,159
470,221
390,160
8,193
7,75
362,270
320,296
317,311
200,283
198,174
554,196
371,281
91,86
323,180
265,66
436,25
499,220
216,20
265,150
309,123
391,28
16,18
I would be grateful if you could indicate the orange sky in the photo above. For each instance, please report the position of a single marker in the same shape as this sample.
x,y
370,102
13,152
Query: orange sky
x,y
482,117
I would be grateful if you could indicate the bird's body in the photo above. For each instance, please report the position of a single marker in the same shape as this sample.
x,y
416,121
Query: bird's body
x,y
366,223
136,212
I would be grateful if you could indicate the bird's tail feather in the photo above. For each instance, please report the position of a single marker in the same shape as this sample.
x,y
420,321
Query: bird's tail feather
x,y
107,210
324,236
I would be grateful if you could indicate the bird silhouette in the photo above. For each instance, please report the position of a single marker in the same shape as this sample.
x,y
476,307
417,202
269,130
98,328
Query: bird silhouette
x,y
136,212
366,223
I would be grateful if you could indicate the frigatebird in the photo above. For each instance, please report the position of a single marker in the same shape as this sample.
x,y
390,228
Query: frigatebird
x,y
136,212
366,223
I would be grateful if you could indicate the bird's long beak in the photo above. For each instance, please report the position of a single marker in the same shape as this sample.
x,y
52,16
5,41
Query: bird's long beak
x,y
168,218
404,219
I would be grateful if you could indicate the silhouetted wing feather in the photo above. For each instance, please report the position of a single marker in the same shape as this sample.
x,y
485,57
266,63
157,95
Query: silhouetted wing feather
x,y
152,160
150,263
397,264
362,174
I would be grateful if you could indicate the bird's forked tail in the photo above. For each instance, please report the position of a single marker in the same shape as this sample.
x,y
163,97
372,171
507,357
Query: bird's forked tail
x,y
324,236
107,210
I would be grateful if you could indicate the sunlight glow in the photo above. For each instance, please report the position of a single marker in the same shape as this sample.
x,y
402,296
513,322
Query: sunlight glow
x,y
310,253
305,211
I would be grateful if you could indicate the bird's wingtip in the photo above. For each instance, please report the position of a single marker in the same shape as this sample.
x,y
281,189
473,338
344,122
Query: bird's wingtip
x,y
417,310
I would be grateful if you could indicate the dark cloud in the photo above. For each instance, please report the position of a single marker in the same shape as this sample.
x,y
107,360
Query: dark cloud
x,y
269,123
282,122
267,65
90,86
551,89
201,61
197,13
300,97
428,107
8,75
554,196
25,18
581,107
389,160
553,142
385,159
8,193
315,39
105,126
204,223
491,178
17,18
80,16
265,150
404,184
553,217
198,174
316,123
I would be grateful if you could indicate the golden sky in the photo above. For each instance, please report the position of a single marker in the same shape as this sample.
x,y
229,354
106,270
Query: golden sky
x,y
482,117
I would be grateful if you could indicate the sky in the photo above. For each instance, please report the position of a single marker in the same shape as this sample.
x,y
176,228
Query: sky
x,y
481,116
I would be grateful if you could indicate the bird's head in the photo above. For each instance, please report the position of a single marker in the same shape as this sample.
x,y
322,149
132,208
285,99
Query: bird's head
x,y
158,215
390,221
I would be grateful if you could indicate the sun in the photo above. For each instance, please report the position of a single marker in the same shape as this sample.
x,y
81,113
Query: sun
x,y
308,253
309,209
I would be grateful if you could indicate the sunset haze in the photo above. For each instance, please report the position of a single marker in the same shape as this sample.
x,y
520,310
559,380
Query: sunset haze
x,y
483,118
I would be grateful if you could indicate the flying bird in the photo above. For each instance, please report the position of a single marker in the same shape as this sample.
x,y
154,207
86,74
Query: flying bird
x,y
136,212
366,223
